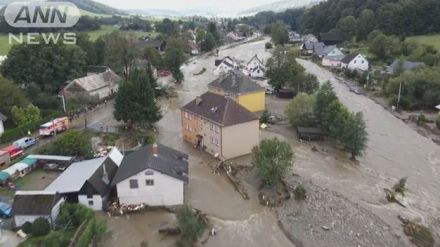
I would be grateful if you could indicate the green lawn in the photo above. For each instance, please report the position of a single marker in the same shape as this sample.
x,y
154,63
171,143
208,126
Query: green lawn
x,y
433,40
4,44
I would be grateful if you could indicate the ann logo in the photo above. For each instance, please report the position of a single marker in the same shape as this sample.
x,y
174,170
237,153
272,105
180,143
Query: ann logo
x,y
46,15
42,14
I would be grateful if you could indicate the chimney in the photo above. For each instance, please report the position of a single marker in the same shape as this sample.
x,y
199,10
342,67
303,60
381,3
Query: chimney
x,y
198,100
155,150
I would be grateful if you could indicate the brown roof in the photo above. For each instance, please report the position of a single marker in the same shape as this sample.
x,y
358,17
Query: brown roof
x,y
219,109
34,203
237,83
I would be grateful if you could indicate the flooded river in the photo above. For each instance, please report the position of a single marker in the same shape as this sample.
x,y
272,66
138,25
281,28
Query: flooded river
x,y
394,151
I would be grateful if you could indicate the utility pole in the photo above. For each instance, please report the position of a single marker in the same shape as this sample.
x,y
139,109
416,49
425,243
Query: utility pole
x,y
399,95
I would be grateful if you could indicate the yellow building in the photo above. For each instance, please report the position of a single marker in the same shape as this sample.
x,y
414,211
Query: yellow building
x,y
242,89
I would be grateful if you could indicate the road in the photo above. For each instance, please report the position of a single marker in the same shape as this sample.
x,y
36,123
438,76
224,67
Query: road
x,y
394,151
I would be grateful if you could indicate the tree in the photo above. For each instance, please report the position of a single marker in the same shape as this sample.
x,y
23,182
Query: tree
x,y
283,70
200,36
83,41
121,52
208,43
40,227
272,158
347,26
212,28
355,135
279,33
175,56
47,65
56,239
301,111
10,96
153,56
190,224
25,115
71,143
135,101
365,24
324,97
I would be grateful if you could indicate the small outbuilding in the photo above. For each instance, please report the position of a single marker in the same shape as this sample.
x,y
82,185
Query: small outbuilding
x,y
310,134
31,205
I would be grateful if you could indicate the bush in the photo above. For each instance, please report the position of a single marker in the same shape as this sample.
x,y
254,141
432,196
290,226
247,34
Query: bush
x,y
437,122
268,45
400,187
56,239
72,215
40,227
191,225
265,117
71,143
300,192
27,227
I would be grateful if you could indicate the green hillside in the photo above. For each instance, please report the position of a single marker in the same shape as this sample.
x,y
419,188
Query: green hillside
x,y
93,7
433,40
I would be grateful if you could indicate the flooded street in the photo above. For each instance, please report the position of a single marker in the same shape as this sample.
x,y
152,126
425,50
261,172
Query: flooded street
x,y
239,223
394,151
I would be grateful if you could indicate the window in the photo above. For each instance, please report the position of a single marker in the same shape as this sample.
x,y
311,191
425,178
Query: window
x,y
90,203
217,129
212,140
89,196
185,115
149,182
211,126
187,126
134,184
149,173
363,61
217,143
355,61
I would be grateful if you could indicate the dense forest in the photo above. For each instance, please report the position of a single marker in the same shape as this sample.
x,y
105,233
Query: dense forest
x,y
398,17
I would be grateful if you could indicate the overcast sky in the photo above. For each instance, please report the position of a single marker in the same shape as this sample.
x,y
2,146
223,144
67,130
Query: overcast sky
x,y
222,5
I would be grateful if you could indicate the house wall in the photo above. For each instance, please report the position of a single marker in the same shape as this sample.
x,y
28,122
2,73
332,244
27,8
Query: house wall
x,y
238,140
2,128
96,202
166,191
222,69
257,73
254,63
56,209
254,102
212,137
358,63
191,127
19,220
330,63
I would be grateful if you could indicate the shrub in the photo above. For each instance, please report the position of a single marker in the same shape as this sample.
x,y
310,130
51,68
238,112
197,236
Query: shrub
x,y
56,239
265,117
437,122
191,225
300,192
27,227
40,227
400,187
268,45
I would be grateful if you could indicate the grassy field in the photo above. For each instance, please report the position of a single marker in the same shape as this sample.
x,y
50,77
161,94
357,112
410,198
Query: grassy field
x,y
433,40
4,44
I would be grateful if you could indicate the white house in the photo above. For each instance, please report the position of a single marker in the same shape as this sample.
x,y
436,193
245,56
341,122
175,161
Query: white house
x,y
2,119
154,175
88,182
225,65
257,72
355,61
255,68
31,205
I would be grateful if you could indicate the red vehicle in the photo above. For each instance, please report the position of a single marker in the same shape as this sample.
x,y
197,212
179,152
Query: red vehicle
x,y
13,151
55,126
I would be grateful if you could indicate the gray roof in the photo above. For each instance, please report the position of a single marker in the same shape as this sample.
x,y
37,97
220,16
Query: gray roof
x,y
74,177
3,117
325,50
347,59
236,83
219,109
407,65
313,45
334,58
255,57
34,203
96,81
168,161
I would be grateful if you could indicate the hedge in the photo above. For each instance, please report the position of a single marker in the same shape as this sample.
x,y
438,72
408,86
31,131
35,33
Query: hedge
x,y
18,132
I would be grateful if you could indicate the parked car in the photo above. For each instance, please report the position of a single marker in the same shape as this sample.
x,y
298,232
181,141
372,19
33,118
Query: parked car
x,y
25,142
5,210
13,151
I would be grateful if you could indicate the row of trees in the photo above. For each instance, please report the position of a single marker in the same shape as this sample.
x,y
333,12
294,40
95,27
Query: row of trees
x,y
323,109
387,48
208,39
358,18
284,71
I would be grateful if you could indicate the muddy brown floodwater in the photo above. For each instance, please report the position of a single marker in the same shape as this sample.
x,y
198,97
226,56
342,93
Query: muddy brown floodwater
x,y
239,223
394,151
